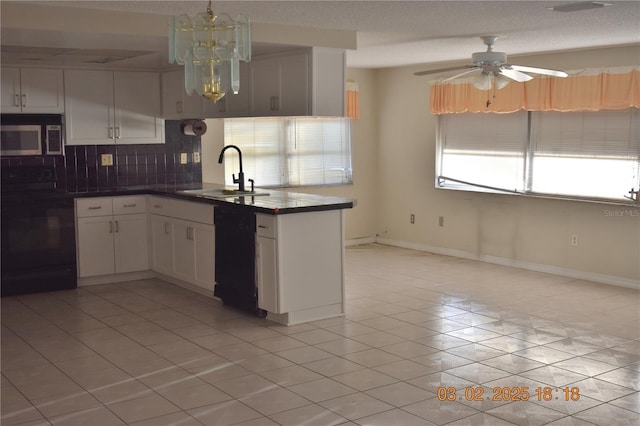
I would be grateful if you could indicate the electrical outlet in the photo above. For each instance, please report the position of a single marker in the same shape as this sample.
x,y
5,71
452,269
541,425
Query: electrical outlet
x,y
412,218
183,158
440,221
106,159
196,157
574,240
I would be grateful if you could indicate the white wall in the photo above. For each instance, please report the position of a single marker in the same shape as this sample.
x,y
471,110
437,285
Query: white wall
x,y
507,229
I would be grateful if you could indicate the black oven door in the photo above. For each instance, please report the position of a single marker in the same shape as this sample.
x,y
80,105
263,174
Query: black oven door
x,y
38,244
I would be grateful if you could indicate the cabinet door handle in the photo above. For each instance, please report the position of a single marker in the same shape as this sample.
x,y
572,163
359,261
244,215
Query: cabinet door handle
x,y
275,103
263,227
129,205
157,206
95,207
117,227
166,227
118,132
24,99
110,132
17,99
189,233
111,227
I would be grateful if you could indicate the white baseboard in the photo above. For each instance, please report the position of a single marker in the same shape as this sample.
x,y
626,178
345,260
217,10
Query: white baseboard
x,y
537,267
184,284
359,241
115,278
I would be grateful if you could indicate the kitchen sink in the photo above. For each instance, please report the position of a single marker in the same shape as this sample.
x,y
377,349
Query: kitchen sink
x,y
223,193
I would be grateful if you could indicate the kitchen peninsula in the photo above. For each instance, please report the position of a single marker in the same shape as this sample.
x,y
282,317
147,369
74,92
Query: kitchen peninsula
x,y
277,253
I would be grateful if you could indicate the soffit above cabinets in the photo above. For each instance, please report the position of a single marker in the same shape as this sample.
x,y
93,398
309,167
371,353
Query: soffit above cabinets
x,y
66,56
55,34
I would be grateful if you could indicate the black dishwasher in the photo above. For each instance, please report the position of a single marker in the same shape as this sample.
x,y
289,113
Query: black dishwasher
x,y
235,258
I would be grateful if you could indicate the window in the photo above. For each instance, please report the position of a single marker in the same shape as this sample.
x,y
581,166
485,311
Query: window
x,y
590,154
292,151
485,149
594,155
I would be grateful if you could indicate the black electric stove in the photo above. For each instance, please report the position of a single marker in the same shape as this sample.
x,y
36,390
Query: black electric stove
x,y
38,232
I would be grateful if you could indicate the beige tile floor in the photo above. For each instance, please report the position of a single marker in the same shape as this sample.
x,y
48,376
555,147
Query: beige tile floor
x,y
418,327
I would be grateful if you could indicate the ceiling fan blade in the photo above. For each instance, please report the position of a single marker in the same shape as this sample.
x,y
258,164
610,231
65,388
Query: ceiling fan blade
x,y
543,71
515,75
461,74
427,72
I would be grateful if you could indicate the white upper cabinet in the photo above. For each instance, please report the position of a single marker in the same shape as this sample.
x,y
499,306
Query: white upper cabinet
x,y
280,85
308,81
32,90
106,107
302,82
176,104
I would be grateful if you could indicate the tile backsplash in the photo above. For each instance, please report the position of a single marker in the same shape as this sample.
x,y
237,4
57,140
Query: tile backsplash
x,y
80,170
134,164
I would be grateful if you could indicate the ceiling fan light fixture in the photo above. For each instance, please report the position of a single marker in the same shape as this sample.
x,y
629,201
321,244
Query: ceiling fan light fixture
x,y
501,82
576,7
489,57
482,81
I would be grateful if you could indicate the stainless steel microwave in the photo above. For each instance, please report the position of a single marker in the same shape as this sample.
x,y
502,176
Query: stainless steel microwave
x,y
31,135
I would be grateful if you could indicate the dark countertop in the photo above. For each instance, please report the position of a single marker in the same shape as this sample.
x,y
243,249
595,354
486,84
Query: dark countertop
x,y
277,202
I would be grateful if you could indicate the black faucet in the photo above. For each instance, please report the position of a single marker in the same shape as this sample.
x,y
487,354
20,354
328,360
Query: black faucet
x,y
240,179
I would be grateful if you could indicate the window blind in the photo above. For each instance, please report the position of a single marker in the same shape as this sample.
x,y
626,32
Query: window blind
x,y
262,152
319,151
484,149
593,154
292,151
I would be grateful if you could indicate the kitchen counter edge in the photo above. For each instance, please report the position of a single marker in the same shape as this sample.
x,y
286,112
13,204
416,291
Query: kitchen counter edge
x,y
279,202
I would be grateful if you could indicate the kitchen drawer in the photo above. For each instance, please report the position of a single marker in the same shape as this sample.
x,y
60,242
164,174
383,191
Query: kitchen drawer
x,y
186,210
162,206
266,226
89,207
194,211
130,204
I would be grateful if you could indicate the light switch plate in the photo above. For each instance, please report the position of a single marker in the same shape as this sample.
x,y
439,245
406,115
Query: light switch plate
x,y
106,159
183,158
196,157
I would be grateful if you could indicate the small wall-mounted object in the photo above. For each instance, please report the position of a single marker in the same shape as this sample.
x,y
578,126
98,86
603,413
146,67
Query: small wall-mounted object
x,y
193,127
106,159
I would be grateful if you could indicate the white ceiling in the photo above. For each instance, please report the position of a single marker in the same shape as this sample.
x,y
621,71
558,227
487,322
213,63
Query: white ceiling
x,y
396,33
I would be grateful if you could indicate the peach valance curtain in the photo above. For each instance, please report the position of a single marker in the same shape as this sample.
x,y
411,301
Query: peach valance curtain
x,y
590,90
353,100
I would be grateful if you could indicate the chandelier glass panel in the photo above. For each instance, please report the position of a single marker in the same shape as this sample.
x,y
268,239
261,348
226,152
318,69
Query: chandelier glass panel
x,y
210,47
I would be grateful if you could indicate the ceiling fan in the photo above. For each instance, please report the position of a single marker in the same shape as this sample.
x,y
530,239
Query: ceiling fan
x,y
494,68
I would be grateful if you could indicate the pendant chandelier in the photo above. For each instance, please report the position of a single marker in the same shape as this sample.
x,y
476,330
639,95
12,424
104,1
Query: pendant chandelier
x,y
210,47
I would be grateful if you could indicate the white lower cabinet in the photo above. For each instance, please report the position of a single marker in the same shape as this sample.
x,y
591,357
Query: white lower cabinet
x,y
161,230
194,253
267,274
183,241
112,235
299,265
